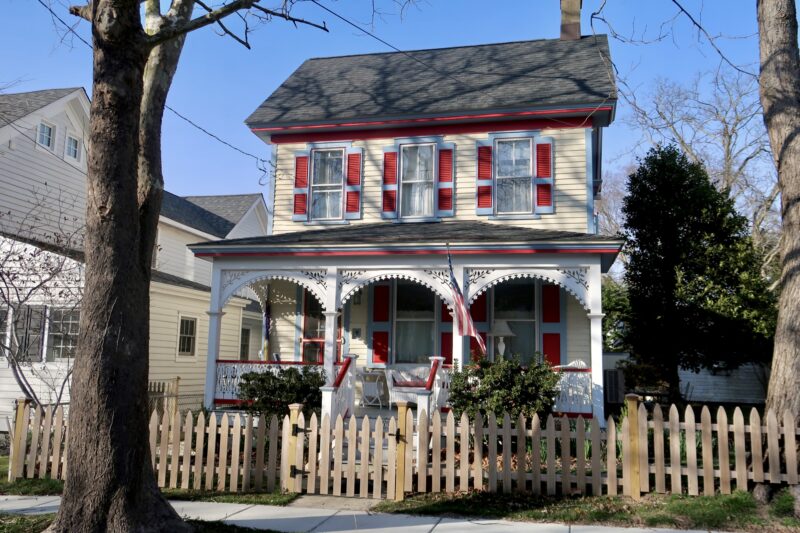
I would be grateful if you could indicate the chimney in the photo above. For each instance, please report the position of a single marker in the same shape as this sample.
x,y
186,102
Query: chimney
x,y
571,20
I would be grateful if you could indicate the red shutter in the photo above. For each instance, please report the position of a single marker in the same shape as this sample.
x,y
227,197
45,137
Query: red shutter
x,y
485,162
354,169
300,204
446,348
380,304
353,202
389,201
485,197
301,172
390,168
445,200
551,346
445,165
544,160
544,195
380,347
551,305
477,309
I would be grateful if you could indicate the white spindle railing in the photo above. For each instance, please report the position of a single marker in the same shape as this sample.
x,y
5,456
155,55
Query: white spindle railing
x,y
340,398
575,388
229,375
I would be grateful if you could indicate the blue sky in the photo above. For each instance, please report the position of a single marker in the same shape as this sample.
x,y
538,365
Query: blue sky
x,y
219,82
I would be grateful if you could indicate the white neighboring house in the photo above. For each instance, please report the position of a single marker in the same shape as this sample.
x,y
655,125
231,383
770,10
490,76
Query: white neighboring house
x,y
43,179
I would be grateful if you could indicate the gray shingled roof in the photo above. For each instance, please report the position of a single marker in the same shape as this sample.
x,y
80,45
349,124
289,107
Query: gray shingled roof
x,y
541,73
230,207
381,233
181,210
14,106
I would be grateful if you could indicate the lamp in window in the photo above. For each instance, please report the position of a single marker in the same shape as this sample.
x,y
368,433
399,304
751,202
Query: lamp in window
x,y
501,330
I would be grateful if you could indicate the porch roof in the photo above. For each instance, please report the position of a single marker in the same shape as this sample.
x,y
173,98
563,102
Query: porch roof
x,y
463,237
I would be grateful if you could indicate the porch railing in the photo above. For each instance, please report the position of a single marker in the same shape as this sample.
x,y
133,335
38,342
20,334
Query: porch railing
x,y
340,398
230,372
575,389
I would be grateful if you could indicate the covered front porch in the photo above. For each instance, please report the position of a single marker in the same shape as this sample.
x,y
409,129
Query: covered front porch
x,y
378,317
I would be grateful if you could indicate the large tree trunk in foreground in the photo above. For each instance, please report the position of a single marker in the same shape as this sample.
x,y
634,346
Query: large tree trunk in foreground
x,y
110,484
780,98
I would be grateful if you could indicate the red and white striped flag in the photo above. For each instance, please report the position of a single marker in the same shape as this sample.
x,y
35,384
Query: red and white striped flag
x,y
466,327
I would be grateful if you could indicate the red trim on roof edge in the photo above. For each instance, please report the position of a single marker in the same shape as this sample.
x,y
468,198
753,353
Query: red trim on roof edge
x,y
538,112
435,129
412,252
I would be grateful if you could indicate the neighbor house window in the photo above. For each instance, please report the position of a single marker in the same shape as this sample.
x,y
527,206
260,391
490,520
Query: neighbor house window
x,y
514,303
46,135
187,336
73,149
514,194
417,180
63,333
415,323
327,181
244,345
28,331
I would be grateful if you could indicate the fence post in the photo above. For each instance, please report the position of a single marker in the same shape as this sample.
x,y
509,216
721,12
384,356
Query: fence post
x,y
294,414
18,440
632,459
174,406
400,470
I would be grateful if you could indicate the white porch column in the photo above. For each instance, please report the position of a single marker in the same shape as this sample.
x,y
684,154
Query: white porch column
x,y
214,329
458,340
596,342
331,314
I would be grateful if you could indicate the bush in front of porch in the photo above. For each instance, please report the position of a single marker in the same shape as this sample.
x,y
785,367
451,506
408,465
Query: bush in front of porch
x,y
504,386
271,393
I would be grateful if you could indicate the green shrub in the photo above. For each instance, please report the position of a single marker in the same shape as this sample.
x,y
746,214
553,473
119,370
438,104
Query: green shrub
x,y
504,386
272,392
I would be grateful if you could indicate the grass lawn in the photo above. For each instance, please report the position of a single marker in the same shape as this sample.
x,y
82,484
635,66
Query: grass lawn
x,y
738,511
10,523
48,487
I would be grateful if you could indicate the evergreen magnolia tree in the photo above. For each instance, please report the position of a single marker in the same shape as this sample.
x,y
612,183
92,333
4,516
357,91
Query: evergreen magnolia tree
x,y
696,295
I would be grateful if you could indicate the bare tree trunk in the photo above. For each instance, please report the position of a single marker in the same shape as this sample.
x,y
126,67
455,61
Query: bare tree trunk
x,y
110,485
780,98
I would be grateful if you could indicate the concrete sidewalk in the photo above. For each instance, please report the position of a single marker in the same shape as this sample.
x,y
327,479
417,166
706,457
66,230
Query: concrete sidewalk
x,y
311,519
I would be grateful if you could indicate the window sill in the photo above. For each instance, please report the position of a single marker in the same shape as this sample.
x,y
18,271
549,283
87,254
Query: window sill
x,y
515,217
326,223
415,220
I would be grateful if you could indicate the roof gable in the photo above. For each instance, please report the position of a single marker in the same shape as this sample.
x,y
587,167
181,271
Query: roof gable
x,y
15,106
230,207
185,212
515,75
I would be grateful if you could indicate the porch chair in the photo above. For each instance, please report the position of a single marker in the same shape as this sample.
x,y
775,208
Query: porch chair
x,y
372,389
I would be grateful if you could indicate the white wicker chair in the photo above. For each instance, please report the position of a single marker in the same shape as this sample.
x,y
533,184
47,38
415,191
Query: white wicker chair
x,y
372,389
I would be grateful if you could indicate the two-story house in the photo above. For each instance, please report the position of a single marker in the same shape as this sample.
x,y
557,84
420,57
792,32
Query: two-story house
x,y
42,207
385,163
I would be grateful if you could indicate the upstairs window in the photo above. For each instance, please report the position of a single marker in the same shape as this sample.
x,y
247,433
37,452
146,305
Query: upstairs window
x,y
73,148
46,136
417,180
327,180
514,184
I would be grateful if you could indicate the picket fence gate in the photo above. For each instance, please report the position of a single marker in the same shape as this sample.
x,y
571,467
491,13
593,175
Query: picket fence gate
x,y
371,458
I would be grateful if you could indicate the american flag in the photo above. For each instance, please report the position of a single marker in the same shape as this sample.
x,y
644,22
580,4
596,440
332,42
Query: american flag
x,y
466,327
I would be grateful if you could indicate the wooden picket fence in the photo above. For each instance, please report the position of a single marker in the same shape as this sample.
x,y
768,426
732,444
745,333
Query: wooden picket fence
x,y
373,458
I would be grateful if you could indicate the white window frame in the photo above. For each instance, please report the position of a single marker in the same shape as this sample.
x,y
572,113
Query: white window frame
x,y
497,177
52,145
79,148
48,330
436,322
185,356
311,185
434,182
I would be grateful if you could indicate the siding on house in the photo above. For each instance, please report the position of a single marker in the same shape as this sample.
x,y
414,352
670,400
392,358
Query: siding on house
x,y
38,182
173,257
578,334
745,385
569,151
252,224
